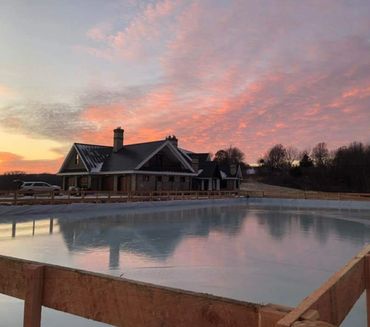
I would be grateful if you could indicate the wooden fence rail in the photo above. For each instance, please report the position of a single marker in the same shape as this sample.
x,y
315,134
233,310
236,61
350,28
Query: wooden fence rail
x,y
123,302
18,198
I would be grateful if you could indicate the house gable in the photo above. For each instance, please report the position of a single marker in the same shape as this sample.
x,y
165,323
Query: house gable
x,y
73,163
165,158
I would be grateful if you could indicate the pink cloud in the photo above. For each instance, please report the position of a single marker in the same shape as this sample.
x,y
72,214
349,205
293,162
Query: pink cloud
x,y
241,74
137,39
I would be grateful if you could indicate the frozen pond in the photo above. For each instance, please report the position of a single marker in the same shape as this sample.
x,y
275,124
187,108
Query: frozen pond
x,y
259,254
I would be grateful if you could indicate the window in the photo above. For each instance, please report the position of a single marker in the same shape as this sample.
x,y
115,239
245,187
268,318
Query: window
x,y
159,178
182,179
146,178
77,159
171,179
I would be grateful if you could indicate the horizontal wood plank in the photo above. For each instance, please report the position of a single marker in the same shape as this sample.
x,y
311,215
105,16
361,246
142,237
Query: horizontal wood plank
x,y
123,302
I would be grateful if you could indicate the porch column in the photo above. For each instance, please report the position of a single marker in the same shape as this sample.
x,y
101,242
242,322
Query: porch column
x,y
75,181
217,184
89,182
115,183
209,184
133,182
64,184
202,185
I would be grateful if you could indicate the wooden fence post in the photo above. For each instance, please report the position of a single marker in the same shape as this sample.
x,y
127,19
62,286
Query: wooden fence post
x,y
367,285
34,275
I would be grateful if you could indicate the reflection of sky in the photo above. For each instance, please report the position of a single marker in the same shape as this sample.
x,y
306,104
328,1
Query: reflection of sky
x,y
259,255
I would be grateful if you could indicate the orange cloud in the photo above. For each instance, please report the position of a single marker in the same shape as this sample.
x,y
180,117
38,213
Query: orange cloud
x,y
7,92
12,162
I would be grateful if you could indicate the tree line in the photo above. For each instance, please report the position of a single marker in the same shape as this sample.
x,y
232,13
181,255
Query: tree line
x,y
345,169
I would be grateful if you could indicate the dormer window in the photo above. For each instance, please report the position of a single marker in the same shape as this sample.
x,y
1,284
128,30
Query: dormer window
x,y
77,159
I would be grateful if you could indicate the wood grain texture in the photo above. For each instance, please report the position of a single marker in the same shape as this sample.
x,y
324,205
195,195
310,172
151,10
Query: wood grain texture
x,y
33,296
122,302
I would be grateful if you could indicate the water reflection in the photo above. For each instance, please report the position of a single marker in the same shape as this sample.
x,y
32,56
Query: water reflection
x,y
34,227
249,253
345,224
155,235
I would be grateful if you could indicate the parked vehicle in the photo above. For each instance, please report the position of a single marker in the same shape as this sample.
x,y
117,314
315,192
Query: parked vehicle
x,y
30,188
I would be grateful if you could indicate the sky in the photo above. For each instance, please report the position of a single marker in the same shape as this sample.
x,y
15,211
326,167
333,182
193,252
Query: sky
x,y
215,73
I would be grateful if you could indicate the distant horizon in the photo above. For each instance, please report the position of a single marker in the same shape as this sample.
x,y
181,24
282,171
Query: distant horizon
x,y
251,164
248,74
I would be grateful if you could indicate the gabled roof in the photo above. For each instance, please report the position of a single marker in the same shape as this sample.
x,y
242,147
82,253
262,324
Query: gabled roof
x,y
225,170
202,157
209,169
186,154
93,156
98,158
130,156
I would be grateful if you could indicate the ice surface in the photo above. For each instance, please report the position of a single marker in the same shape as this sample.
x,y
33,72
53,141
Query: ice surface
x,y
239,249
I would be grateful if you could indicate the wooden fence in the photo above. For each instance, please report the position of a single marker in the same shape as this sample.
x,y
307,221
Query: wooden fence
x,y
18,198
123,302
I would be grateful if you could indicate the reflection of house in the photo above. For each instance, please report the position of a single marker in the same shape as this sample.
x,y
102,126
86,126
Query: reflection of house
x,y
155,235
150,166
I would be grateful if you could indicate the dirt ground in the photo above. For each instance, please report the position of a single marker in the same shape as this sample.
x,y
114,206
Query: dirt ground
x,y
256,186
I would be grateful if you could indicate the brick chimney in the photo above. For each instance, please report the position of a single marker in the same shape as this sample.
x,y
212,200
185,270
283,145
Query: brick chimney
x,y
174,141
118,139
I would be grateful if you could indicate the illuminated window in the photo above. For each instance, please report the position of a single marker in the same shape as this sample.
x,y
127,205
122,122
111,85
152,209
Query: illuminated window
x,y
77,159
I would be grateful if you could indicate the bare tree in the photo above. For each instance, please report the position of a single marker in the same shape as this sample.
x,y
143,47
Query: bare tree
x,y
292,155
231,155
276,157
320,154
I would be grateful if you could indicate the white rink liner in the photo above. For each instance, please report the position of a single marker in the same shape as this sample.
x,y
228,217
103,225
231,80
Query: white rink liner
x,y
81,210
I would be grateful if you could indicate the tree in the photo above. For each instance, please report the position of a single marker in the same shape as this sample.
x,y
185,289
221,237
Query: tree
x,y
15,172
231,155
277,157
320,154
292,155
221,156
261,162
305,161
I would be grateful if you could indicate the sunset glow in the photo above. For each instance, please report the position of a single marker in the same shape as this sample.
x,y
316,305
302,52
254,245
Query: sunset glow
x,y
214,73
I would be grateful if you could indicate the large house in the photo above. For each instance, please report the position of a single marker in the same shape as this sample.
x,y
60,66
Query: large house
x,y
150,166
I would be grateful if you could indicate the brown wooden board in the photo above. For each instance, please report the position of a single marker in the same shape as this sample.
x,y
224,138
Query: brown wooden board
x,y
122,302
